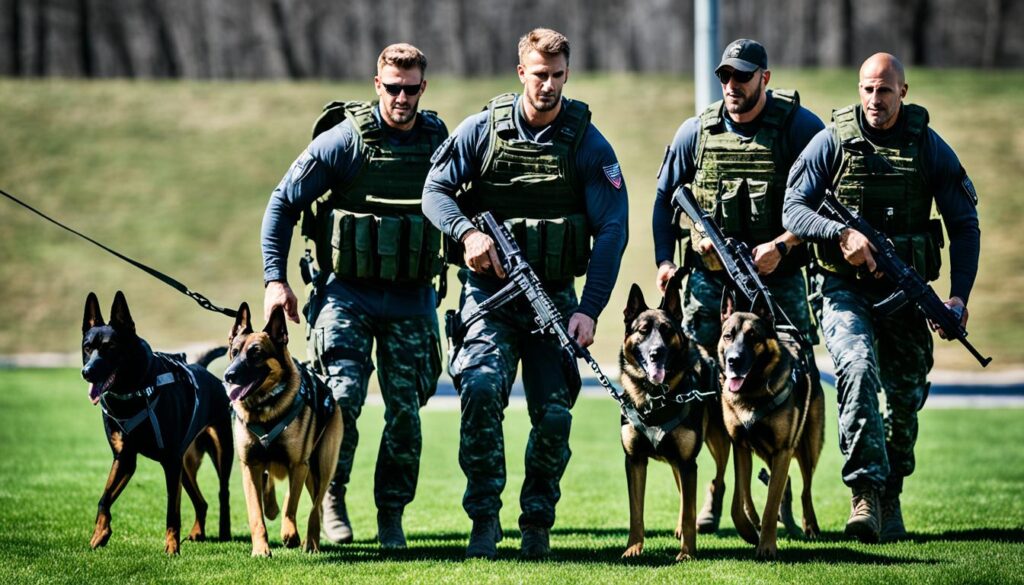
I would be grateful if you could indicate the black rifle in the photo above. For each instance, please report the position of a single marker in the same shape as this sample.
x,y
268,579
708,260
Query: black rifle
x,y
736,258
910,287
523,281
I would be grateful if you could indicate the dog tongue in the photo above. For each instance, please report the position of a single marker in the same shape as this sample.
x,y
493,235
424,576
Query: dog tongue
x,y
94,393
656,374
735,384
236,392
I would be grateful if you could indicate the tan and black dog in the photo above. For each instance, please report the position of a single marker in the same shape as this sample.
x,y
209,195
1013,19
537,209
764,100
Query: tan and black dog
x,y
286,425
770,407
661,375
156,405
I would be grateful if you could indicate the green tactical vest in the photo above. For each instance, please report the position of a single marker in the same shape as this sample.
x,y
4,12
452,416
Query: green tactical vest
x,y
886,186
534,189
372,227
743,180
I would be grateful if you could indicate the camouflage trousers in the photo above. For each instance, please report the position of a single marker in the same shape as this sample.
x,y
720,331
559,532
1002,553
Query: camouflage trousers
x,y
483,371
408,357
871,354
702,298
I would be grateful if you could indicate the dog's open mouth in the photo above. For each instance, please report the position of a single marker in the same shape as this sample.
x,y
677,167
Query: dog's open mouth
x,y
237,392
656,372
734,382
96,390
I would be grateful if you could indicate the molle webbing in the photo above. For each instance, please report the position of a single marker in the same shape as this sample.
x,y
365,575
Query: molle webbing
x,y
885,185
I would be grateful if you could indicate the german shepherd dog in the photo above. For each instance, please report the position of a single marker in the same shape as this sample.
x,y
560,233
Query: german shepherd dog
x,y
155,405
286,424
770,406
659,364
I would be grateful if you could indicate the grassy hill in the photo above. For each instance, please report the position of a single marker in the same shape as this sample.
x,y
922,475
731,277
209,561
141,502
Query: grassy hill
x,y
176,174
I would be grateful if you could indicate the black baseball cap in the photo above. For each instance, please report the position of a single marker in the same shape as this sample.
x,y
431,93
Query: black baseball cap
x,y
744,55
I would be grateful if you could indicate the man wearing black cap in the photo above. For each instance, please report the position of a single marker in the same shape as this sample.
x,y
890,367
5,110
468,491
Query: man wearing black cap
x,y
735,157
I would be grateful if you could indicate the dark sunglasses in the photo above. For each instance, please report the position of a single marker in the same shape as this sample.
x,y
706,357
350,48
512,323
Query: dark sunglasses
x,y
740,76
397,88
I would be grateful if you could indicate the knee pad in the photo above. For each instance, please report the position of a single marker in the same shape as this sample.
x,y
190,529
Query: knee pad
x,y
556,422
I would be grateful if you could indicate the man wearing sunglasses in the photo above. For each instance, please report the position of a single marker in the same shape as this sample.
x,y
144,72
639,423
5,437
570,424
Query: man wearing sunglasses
x,y
735,157
537,163
376,256
882,160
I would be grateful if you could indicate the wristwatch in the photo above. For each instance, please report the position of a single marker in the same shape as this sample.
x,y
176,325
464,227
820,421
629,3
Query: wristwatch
x,y
782,247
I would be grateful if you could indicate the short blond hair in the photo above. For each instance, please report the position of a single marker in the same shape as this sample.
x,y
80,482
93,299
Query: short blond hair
x,y
543,40
403,56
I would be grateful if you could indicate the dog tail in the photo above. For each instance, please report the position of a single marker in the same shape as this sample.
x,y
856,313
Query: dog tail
x,y
206,358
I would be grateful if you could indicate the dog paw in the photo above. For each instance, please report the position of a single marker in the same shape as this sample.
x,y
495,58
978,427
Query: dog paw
x,y
290,540
766,552
812,533
197,534
633,551
683,556
261,551
311,547
100,537
173,549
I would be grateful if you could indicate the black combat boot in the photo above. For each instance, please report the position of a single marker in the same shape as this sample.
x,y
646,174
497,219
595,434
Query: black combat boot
x,y
389,529
711,513
536,543
336,527
893,529
484,539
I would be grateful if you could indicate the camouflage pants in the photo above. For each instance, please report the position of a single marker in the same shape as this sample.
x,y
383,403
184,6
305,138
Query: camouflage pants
x,y
872,353
408,356
484,370
702,298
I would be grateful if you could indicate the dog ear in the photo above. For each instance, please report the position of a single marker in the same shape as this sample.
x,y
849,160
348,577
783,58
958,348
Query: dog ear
x,y
672,303
277,328
93,317
243,322
120,316
763,309
728,303
634,306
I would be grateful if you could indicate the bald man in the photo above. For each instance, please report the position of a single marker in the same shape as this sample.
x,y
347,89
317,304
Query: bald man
x,y
883,161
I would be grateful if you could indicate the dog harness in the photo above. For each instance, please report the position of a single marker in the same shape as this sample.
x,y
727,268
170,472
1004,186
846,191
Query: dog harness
x,y
175,373
664,411
314,392
772,403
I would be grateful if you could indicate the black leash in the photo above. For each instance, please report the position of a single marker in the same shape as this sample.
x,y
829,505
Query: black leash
x,y
197,297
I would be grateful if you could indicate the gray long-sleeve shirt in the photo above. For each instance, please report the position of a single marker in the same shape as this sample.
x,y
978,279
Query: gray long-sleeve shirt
x,y
680,166
460,159
945,179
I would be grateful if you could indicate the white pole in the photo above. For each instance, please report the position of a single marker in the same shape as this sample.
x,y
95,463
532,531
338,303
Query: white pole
x,y
706,51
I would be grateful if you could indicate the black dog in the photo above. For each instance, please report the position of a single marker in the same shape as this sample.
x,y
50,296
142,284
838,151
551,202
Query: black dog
x,y
157,405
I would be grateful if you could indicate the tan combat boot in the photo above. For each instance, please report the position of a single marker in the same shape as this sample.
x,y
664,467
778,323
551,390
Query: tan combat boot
x,y
865,515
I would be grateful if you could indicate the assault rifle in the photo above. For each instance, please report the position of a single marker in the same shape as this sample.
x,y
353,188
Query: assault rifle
x,y
736,256
523,281
910,287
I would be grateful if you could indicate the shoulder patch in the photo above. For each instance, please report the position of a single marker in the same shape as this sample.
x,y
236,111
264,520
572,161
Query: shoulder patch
x,y
443,152
613,173
968,187
301,168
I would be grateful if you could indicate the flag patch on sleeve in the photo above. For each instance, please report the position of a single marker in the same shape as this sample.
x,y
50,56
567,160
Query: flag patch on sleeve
x,y
614,175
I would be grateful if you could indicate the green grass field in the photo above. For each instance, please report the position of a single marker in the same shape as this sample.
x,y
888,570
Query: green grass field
x,y
964,508
177,174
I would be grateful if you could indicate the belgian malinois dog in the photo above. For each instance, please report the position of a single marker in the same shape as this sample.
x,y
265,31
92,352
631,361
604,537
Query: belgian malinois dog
x,y
660,369
156,405
286,425
770,407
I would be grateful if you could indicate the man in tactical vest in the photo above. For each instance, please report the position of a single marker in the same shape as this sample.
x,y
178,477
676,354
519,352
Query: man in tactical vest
x,y
363,176
537,163
735,157
884,162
